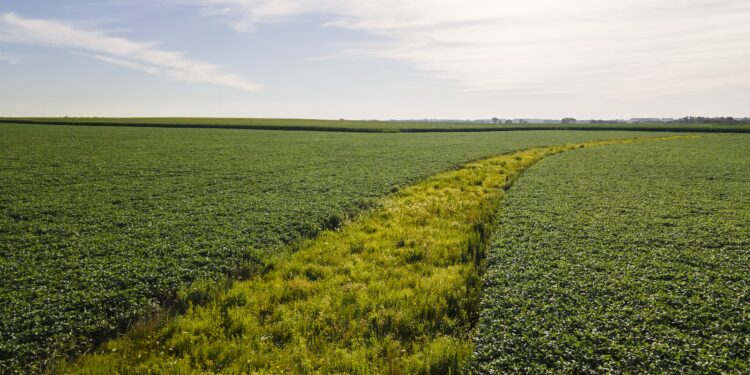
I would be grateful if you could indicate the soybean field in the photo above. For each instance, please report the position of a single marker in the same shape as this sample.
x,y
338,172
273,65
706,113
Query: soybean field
x,y
228,246
101,227
625,259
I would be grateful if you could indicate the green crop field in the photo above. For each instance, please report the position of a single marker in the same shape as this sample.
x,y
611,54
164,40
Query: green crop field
x,y
101,226
624,259
394,291
228,250
366,126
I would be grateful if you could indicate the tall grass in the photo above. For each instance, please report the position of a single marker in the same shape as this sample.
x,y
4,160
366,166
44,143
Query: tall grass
x,y
394,291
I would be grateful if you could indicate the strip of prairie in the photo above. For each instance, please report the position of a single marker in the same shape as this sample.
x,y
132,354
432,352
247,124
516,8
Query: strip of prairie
x,y
101,226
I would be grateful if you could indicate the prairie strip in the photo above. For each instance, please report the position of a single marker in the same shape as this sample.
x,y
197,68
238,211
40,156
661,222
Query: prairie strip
x,y
394,291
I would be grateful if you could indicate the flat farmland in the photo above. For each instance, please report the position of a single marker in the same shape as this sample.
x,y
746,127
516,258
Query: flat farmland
x,y
426,188
102,226
373,126
623,259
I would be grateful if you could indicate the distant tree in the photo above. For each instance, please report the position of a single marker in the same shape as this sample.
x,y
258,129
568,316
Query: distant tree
x,y
508,121
569,120
706,120
495,120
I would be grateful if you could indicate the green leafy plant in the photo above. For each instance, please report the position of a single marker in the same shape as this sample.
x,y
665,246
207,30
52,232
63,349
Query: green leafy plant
x,y
622,259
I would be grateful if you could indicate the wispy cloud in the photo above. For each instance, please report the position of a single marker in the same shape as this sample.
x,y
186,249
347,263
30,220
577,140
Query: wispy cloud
x,y
536,46
8,59
142,56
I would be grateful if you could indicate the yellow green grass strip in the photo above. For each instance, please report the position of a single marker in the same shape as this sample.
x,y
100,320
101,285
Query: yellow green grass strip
x,y
394,291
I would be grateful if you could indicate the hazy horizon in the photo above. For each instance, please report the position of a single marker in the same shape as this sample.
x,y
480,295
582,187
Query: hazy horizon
x,y
390,60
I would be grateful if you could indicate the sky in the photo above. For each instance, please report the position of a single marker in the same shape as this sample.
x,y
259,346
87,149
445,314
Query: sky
x,y
385,59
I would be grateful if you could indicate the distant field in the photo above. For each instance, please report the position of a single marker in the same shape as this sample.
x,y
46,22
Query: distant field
x,y
624,259
101,225
365,126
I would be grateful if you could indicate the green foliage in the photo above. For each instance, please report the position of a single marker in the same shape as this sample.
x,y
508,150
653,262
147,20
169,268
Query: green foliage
x,y
394,291
102,226
379,126
624,259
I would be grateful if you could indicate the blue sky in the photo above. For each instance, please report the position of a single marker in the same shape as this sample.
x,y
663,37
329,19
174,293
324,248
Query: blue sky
x,y
364,59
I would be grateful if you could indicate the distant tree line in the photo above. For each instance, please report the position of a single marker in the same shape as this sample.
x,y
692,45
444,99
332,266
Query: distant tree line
x,y
496,120
683,120
689,120
710,120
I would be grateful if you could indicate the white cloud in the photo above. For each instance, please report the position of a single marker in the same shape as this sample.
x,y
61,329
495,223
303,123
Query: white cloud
x,y
9,59
611,47
142,56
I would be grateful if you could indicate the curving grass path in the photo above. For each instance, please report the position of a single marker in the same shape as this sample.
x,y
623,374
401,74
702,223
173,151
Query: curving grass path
x,y
394,291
